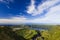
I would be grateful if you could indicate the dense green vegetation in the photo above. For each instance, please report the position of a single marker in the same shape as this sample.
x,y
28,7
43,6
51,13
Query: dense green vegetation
x,y
52,33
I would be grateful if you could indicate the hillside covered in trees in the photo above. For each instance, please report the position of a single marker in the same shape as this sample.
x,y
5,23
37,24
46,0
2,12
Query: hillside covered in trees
x,y
47,32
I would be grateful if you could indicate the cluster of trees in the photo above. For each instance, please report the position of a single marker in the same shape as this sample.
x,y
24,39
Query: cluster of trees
x,y
6,33
52,33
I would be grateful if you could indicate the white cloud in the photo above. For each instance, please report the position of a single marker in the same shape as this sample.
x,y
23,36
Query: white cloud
x,y
7,2
31,7
45,6
13,20
52,17
52,7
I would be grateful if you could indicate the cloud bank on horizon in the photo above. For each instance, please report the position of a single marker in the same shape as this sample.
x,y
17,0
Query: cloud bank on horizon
x,y
49,8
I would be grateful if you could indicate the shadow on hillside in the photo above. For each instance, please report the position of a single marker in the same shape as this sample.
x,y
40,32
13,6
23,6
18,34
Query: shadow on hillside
x,y
6,33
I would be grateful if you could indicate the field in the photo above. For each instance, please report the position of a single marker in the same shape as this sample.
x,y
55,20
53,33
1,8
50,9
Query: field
x,y
30,32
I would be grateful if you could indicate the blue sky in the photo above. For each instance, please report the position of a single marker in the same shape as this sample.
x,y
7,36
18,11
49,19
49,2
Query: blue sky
x,y
29,11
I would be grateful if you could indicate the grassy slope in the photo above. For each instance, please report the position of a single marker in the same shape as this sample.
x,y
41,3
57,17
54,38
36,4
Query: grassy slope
x,y
6,33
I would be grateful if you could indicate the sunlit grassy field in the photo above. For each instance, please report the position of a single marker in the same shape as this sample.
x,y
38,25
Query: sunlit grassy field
x,y
25,33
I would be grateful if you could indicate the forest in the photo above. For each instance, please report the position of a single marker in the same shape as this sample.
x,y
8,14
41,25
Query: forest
x,y
30,32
